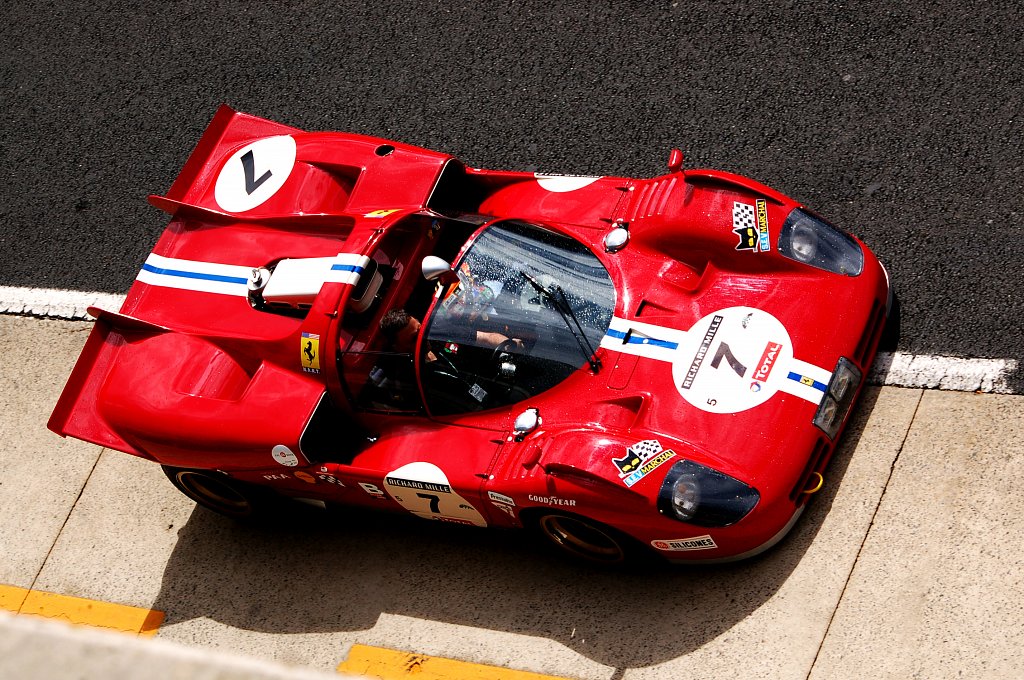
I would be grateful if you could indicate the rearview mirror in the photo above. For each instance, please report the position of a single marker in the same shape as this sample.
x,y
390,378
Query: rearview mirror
x,y
436,269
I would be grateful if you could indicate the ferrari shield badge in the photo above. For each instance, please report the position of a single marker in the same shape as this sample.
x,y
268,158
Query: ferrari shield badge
x,y
309,353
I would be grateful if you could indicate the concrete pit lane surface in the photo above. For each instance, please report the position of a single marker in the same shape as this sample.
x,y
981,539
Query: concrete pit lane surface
x,y
306,591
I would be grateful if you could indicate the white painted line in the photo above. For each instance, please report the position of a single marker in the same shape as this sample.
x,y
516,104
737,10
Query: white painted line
x,y
945,373
894,369
55,304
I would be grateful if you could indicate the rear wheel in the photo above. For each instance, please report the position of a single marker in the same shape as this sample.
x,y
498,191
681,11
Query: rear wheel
x,y
218,492
584,538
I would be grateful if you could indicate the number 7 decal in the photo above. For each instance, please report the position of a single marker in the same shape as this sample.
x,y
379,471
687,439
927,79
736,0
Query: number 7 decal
x,y
435,502
724,351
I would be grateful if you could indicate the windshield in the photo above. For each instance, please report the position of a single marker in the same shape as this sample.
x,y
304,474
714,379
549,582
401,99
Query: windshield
x,y
507,330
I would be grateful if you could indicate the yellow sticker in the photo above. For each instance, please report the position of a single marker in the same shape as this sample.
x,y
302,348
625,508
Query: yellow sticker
x,y
381,213
807,381
310,353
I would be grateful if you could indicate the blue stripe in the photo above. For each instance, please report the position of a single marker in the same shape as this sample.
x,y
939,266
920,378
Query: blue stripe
x,y
194,275
346,268
641,340
817,385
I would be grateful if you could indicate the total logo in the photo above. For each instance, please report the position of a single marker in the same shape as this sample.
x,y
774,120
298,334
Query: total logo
x,y
765,365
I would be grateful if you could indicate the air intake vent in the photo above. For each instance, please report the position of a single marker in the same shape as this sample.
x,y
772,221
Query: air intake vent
x,y
650,199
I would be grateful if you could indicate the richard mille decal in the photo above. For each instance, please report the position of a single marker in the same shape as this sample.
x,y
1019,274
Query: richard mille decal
x,y
424,490
731,360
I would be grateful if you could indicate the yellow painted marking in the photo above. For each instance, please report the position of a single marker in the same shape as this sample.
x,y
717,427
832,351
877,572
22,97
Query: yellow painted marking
x,y
79,610
12,597
391,665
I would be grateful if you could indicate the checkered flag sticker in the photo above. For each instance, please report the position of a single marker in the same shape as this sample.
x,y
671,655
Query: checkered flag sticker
x,y
646,449
742,215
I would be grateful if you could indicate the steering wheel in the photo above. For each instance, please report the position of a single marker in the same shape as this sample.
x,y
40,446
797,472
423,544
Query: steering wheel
x,y
503,346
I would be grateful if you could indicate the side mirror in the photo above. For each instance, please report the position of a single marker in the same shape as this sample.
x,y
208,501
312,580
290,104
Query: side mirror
x,y
526,422
436,269
675,160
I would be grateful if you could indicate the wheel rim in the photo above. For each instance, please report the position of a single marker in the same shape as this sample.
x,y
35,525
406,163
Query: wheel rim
x,y
214,493
582,539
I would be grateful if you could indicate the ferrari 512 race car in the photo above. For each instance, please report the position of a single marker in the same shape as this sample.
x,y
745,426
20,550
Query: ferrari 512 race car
x,y
653,365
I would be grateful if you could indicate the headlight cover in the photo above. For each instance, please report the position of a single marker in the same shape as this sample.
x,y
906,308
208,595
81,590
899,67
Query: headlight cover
x,y
838,399
813,241
696,494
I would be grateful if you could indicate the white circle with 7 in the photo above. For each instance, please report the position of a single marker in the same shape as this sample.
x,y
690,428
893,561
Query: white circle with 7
x,y
254,173
728,361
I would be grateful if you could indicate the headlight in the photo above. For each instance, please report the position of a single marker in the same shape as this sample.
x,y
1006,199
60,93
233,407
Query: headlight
x,y
696,494
817,243
838,399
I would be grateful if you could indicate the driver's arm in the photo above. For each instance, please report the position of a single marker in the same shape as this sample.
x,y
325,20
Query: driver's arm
x,y
492,339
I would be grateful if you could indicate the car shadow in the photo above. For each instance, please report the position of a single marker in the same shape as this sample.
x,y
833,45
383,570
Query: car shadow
x,y
320,572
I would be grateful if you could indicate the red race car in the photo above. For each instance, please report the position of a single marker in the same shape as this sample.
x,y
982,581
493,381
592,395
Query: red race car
x,y
659,365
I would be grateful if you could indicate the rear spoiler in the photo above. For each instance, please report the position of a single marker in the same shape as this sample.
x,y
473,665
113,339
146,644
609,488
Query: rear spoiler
x,y
242,127
76,412
184,210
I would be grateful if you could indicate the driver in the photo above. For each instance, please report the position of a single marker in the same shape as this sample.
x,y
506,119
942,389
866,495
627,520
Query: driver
x,y
401,330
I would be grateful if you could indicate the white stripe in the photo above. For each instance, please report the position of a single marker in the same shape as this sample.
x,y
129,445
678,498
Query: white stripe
x,y
891,369
945,373
55,304
196,267
641,330
199,267
339,276
797,388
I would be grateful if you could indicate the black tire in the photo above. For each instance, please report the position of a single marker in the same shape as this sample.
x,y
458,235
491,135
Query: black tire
x,y
585,539
890,339
219,493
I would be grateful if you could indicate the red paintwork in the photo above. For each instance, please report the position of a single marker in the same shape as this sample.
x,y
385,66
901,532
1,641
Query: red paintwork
x,y
204,380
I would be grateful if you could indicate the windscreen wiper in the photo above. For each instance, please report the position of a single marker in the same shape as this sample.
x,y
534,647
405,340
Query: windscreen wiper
x,y
561,304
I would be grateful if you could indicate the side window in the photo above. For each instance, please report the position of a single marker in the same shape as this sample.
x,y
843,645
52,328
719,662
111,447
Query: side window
x,y
381,381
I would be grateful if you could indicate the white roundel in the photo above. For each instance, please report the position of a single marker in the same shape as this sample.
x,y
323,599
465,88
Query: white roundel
x,y
732,360
283,455
563,183
423,489
254,173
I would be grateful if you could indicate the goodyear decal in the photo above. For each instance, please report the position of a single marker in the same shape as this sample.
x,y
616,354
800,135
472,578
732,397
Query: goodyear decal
x,y
731,360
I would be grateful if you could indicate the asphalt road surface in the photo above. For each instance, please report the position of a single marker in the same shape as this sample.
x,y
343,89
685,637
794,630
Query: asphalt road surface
x,y
899,122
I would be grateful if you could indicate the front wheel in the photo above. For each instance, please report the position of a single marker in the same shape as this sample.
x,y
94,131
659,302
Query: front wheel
x,y
584,538
218,492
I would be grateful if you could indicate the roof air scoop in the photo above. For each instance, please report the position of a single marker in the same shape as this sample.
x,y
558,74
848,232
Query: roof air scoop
x,y
293,284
